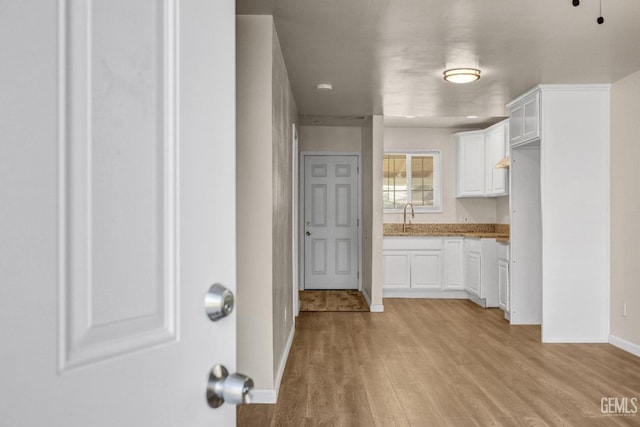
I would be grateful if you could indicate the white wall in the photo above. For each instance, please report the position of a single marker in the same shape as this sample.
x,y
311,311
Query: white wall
x,y
254,198
330,138
575,213
266,111
284,115
502,210
366,176
473,210
377,219
625,211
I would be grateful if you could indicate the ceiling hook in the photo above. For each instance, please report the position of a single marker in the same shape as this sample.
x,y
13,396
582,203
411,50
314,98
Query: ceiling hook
x,y
600,19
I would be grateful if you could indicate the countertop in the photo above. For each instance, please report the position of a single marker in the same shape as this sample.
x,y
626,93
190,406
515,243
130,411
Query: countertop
x,y
500,232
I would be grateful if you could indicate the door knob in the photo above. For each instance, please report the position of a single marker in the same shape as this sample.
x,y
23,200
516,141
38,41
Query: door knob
x,y
222,387
218,302
308,233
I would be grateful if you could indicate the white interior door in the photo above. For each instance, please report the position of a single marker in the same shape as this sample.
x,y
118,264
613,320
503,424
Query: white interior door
x,y
331,222
117,188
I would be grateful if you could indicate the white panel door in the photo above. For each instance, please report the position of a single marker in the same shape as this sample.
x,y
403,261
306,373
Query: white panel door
x,y
118,210
331,222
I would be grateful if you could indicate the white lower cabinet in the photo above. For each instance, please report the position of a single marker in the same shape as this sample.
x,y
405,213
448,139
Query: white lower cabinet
x,y
453,261
412,266
481,275
442,267
474,271
503,277
426,269
396,269
423,267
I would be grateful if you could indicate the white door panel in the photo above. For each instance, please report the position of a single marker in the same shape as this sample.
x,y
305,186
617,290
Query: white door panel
x,y
396,269
112,225
330,218
425,270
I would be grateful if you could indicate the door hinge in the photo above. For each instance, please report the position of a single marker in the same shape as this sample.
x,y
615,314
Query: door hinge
x,y
358,275
358,222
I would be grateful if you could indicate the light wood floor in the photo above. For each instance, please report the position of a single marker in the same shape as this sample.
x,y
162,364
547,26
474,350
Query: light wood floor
x,y
439,363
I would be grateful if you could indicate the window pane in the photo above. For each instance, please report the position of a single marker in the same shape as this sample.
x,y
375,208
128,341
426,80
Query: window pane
x,y
419,187
395,181
422,180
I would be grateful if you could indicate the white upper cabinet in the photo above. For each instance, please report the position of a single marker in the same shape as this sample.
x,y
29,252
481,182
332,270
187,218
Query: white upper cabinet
x,y
524,119
496,143
478,152
470,164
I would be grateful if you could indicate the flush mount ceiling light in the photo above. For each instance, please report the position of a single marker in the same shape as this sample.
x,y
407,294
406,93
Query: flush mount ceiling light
x,y
324,86
462,75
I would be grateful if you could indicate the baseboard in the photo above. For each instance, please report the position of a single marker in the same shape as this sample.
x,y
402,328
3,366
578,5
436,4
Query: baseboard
x,y
264,396
376,308
423,293
573,340
366,297
625,345
271,396
482,302
373,308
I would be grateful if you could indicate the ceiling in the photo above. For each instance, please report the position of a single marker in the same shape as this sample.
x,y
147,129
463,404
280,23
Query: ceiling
x,y
387,56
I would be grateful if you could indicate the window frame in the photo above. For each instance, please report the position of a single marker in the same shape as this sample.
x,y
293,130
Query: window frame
x,y
437,179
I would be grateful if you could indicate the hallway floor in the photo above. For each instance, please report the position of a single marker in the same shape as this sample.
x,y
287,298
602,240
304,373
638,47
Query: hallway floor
x,y
427,362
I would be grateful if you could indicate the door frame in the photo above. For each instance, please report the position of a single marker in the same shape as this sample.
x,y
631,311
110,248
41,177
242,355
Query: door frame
x,y
301,255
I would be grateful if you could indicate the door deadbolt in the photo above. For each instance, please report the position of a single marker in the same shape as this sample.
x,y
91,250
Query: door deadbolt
x,y
222,387
218,302
308,233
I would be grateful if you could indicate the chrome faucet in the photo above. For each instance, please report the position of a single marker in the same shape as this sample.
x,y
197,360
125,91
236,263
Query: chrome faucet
x,y
404,216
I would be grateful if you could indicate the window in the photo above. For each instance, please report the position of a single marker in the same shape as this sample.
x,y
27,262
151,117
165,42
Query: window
x,y
412,178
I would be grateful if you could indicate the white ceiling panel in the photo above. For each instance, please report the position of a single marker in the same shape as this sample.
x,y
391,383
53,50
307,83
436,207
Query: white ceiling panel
x,y
387,56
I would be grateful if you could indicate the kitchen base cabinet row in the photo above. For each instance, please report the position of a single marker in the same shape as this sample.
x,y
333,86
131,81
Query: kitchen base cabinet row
x,y
447,267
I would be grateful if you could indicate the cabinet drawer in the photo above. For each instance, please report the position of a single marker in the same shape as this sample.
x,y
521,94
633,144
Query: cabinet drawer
x,y
412,243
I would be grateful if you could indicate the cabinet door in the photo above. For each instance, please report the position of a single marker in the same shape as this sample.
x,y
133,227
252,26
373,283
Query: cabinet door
x,y
453,264
503,284
396,269
496,179
426,272
470,167
474,271
516,125
531,118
